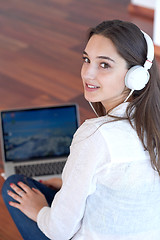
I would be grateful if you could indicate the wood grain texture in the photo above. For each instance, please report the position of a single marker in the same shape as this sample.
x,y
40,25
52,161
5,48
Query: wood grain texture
x,y
142,11
41,44
157,51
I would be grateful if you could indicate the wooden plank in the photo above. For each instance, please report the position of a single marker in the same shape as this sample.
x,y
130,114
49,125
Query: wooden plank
x,y
157,51
141,11
8,230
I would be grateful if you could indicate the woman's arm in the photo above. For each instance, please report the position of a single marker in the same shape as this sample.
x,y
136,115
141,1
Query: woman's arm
x,y
64,218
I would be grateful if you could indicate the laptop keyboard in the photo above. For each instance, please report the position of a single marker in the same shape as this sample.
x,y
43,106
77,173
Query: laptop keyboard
x,y
40,169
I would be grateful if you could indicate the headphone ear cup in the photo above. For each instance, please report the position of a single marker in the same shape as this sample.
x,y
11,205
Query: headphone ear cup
x,y
136,78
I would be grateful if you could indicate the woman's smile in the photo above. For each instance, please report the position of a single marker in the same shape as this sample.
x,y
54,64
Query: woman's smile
x,y
91,87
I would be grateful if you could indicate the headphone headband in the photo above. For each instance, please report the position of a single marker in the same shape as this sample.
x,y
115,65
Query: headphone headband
x,y
138,76
150,51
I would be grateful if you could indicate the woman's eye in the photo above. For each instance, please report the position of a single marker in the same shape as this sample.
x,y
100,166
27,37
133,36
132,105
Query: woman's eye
x,y
104,65
86,60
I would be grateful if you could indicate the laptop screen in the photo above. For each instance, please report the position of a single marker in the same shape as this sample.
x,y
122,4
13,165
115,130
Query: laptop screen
x,y
40,133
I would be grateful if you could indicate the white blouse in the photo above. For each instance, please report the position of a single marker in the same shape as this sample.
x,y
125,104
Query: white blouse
x,y
110,191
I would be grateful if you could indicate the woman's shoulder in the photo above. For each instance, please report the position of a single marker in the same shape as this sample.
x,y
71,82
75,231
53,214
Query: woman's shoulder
x,y
90,129
92,124
104,123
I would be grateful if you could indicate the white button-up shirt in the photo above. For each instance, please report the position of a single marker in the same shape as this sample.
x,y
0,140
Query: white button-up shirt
x,y
110,190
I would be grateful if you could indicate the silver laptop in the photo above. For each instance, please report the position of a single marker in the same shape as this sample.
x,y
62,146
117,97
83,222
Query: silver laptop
x,y
35,142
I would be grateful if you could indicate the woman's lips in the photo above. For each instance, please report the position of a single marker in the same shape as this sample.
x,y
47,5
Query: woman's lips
x,y
91,87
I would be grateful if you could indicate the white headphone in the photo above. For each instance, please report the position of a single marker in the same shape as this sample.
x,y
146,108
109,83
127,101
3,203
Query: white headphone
x,y
138,76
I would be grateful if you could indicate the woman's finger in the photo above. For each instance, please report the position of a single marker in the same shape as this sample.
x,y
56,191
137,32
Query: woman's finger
x,y
14,204
17,189
25,187
15,196
37,191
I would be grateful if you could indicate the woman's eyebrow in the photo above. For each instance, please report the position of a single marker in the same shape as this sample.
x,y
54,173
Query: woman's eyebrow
x,y
85,53
104,57
101,57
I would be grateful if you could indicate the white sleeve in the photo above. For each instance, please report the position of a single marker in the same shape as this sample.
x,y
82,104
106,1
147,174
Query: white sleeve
x,y
87,155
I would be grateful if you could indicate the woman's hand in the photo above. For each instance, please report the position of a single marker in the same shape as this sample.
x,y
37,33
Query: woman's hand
x,y
55,183
29,201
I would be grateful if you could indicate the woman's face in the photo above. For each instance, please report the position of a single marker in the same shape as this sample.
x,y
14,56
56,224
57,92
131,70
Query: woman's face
x,y
103,72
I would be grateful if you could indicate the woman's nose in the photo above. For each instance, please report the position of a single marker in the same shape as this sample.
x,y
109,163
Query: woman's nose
x,y
89,73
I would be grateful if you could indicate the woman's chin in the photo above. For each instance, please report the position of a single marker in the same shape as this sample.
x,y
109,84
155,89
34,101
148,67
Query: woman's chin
x,y
89,99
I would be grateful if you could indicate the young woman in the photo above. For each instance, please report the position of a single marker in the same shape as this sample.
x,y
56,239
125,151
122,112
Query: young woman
x,y
111,182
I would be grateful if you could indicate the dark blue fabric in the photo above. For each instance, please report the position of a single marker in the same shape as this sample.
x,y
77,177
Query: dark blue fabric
x,y
28,228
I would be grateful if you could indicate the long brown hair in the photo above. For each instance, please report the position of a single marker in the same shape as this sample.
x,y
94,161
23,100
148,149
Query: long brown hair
x,y
144,108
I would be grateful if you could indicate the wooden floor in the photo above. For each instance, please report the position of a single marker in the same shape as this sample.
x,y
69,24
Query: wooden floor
x,y
41,43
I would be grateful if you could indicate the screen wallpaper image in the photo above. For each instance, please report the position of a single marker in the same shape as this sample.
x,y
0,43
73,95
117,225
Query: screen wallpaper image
x,y
35,134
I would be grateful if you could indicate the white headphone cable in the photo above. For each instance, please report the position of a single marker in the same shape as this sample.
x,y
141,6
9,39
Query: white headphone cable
x,y
93,109
129,95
